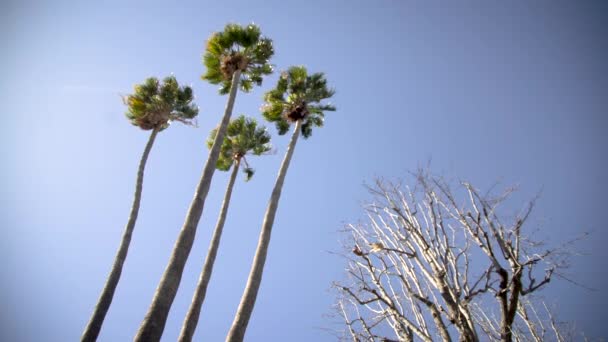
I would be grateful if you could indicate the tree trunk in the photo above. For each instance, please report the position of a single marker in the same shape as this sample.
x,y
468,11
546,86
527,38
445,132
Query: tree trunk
x,y
103,304
243,314
154,322
192,316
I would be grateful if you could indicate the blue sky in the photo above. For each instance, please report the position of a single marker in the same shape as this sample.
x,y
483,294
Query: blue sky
x,y
510,92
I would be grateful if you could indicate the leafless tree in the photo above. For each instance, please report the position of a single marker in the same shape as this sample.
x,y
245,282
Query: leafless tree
x,y
431,264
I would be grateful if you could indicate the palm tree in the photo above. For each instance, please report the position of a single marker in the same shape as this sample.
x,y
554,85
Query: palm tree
x,y
236,57
152,107
296,99
243,137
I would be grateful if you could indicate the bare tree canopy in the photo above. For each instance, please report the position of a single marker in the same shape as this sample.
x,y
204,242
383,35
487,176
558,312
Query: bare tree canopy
x,y
436,263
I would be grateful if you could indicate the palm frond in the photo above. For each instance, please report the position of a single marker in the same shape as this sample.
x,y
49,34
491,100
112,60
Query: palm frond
x,y
248,173
154,104
298,96
243,137
237,47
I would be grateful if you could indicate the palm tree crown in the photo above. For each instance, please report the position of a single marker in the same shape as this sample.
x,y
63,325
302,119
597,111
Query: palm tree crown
x,y
298,96
237,48
154,105
243,136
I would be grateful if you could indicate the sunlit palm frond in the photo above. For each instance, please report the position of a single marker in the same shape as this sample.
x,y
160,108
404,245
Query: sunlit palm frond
x,y
155,104
237,48
243,137
298,96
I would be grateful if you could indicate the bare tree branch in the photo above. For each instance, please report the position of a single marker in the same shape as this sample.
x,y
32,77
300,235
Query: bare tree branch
x,y
432,263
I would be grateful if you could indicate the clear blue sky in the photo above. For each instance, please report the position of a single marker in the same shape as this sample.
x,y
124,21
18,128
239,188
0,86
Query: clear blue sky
x,y
487,90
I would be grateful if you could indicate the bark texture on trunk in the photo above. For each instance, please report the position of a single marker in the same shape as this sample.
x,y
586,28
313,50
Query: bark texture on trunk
x,y
154,322
191,320
91,332
243,314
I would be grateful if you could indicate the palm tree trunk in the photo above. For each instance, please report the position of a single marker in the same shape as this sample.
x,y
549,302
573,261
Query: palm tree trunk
x,y
243,314
103,304
192,316
154,322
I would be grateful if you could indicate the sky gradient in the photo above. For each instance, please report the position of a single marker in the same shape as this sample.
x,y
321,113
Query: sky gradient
x,y
513,92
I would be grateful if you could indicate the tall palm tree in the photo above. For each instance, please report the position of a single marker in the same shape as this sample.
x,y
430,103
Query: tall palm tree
x,y
296,99
152,107
236,57
243,137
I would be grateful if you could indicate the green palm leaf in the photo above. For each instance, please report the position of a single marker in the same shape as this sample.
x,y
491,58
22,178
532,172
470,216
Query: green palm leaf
x,y
237,48
298,96
243,137
155,104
